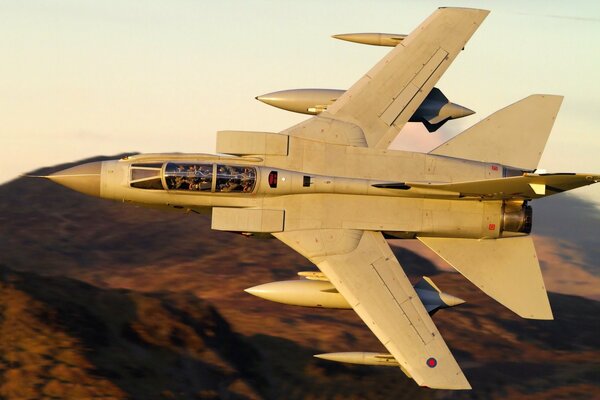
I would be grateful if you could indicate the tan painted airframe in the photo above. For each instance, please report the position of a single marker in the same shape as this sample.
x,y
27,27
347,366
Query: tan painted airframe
x,y
329,188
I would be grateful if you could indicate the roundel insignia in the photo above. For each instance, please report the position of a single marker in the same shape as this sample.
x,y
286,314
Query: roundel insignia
x,y
431,362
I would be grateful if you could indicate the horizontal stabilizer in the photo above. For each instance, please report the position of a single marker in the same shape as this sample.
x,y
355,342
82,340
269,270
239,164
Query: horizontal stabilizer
x,y
515,135
505,269
528,186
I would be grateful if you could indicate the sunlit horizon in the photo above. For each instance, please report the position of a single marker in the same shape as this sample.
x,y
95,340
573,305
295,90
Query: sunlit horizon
x,y
82,79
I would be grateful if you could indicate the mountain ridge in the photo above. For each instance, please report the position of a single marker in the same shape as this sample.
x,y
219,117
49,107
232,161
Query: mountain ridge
x,y
169,262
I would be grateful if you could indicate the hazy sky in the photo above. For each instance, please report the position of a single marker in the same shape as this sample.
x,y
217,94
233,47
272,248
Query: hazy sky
x,y
83,78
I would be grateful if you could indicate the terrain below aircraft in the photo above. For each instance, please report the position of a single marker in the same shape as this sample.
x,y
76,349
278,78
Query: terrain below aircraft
x,y
330,189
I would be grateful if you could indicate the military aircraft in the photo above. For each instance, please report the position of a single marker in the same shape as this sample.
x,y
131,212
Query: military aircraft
x,y
330,188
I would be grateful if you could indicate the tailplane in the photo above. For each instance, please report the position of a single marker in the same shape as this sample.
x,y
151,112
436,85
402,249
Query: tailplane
x,y
514,136
505,269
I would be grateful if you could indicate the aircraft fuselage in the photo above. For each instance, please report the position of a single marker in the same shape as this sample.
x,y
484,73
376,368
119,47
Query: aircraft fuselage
x,y
253,194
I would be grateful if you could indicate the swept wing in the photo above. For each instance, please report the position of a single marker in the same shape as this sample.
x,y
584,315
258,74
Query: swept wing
x,y
362,267
359,263
374,109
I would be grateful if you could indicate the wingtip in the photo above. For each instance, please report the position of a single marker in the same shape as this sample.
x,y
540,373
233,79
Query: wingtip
x,y
462,386
546,316
482,10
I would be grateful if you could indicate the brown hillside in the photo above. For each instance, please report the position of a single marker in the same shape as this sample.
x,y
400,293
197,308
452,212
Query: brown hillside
x,y
178,273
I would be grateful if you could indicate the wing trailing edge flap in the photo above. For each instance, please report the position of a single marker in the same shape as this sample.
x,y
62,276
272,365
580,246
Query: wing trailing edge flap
x,y
364,270
377,106
505,269
515,135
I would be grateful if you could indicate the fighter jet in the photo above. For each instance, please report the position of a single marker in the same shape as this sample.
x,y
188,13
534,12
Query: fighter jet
x,y
330,188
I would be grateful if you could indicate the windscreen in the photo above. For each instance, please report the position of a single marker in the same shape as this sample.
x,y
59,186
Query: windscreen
x,y
146,176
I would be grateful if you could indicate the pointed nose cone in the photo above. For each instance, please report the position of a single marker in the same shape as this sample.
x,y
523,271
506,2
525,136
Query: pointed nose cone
x,y
279,99
450,300
253,291
266,98
84,178
454,111
362,38
267,291
349,37
285,99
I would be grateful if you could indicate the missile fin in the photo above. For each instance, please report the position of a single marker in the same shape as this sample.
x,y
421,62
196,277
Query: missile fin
x,y
433,127
313,275
437,96
427,284
433,298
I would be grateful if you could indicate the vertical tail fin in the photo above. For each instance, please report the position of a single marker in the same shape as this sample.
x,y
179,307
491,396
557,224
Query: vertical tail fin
x,y
515,135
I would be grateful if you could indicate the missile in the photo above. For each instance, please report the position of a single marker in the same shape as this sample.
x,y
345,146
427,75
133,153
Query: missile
x,y
361,358
304,292
303,101
374,39
317,291
364,358
434,112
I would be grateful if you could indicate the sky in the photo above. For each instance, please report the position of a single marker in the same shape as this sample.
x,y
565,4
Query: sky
x,y
84,78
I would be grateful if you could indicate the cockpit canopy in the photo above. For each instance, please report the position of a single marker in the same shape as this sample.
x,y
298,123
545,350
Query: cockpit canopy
x,y
196,177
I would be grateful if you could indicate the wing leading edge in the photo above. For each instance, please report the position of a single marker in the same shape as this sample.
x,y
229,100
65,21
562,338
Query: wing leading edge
x,y
362,267
376,107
